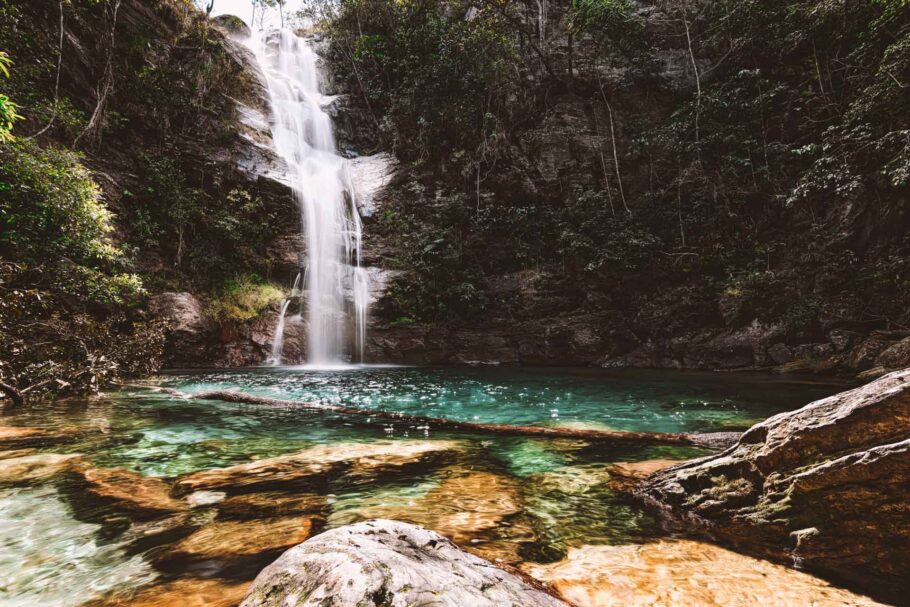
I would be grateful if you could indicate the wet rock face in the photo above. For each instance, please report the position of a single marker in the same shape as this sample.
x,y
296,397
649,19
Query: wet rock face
x,y
826,487
383,562
188,328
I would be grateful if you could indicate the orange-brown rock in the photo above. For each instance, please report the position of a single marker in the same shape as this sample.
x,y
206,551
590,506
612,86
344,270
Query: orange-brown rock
x,y
179,593
132,491
684,574
15,437
321,461
230,539
36,467
465,507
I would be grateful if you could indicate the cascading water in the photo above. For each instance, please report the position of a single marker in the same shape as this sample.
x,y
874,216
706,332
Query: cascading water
x,y
336,286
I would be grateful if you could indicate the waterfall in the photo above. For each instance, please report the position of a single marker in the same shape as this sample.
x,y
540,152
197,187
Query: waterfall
x,y
336,285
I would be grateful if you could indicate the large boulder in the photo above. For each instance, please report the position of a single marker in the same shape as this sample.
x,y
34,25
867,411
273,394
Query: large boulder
x,y
388,563
826,487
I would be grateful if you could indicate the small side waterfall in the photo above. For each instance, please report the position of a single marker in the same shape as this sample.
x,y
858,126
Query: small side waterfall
x,y
278,339
336,286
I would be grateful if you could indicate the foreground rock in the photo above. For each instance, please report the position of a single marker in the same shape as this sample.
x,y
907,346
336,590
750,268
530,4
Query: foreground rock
x,y
826,487
320,461
684,574
388,563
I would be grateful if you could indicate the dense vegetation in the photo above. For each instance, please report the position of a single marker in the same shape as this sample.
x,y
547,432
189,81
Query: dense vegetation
x,y
684,163
754,151
111,116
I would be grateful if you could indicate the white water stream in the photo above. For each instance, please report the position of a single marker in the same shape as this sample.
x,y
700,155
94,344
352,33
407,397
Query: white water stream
x,y
336,288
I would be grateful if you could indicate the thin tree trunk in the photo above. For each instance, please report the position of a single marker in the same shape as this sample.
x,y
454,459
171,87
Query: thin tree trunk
x,y
56,83
603,165
697,83
622,193
92,129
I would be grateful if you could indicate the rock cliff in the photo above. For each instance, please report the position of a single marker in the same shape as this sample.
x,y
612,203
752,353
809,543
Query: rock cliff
x,y
825,488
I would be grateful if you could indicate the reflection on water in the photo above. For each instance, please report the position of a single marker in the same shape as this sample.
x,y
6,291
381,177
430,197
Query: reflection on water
x,y
70,535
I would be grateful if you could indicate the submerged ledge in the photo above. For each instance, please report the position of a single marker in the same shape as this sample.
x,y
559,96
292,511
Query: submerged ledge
x,y
709,440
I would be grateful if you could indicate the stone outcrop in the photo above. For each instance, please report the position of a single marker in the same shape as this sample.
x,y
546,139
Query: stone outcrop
x,y
684,574
390,563
825,488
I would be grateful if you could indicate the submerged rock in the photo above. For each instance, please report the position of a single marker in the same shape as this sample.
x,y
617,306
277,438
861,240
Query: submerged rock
x,y
466,507
626,476
132,491
826,487
388,563
319,461
272,503
179,593
36,467
18,437
231,539
683,574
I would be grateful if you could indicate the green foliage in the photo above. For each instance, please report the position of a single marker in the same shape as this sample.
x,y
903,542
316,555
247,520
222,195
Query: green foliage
x,y
612,23
51,205
8,115
434,80
243,298
596,239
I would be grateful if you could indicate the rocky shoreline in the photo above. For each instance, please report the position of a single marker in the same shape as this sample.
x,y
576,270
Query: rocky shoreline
x,y
197,341
825,488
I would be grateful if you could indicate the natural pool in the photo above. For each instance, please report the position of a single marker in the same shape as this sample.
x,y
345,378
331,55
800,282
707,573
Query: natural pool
x,y
523,501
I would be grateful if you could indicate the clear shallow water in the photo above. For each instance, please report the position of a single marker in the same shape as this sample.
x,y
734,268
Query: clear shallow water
x,y
516,499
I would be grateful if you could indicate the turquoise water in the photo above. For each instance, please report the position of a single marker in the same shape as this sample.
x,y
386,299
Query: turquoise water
x,y
512,498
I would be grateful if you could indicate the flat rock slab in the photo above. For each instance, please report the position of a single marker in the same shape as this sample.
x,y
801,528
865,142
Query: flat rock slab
x,y
36,467
224,540
132,491
17,437
319,461
684,574
388,563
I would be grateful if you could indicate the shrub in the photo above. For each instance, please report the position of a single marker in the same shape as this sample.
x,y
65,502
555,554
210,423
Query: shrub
x,y
243,298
